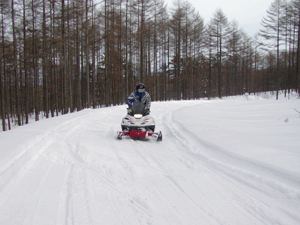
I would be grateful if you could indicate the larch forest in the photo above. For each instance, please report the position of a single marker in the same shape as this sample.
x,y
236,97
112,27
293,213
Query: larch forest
x,y
63,56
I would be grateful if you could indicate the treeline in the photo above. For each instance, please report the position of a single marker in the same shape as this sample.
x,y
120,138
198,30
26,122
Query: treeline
x,y
63,56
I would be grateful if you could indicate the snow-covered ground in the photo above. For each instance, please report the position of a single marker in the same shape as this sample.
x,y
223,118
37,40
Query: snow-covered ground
x,y
229,161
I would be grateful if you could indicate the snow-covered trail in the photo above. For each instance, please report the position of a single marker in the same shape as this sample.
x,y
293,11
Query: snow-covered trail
x,y
72,169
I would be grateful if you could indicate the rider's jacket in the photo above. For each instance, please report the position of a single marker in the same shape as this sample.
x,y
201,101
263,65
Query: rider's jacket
x,y
143,97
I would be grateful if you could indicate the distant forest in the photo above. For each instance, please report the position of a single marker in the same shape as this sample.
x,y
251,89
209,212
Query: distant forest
x,y
63,56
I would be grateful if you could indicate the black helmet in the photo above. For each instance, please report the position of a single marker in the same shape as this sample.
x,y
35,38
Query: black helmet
x,y
140,88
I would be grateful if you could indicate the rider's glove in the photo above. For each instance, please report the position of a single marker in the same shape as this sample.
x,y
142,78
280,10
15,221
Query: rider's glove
x,y
129,110
147,110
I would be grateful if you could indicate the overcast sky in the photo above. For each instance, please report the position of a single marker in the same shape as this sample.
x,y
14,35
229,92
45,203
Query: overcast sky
x,y
248,13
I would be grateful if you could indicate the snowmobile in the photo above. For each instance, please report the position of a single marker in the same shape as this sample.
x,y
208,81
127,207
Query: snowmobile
x,y
138,123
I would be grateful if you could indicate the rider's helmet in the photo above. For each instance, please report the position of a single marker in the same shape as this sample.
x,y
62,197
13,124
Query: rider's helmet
x,y
140,88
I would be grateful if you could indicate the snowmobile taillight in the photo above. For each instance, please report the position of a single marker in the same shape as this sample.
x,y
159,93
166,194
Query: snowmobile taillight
x,y
138,116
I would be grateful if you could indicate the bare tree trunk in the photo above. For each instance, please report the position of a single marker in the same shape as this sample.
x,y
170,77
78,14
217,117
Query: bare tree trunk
x,y
87,55
106,14
44,59
220,69
53,96
15,64
93,61
2,100
126,50
78,92
35,66
298,56
210,75
25,64
142,27
63,63
2,77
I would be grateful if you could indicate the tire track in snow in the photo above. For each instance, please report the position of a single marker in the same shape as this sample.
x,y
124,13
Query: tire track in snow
x,y
189,163
31,151
111,185
35,198
165,180
178,181
40,175
79,158
230,163
82,157
207,187
140,154
232,169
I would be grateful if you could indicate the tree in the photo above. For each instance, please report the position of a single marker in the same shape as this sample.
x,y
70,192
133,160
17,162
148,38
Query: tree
x,y
197,51
15,62
219,33
234,55
3,86
296,6
178,23
272,31
58,56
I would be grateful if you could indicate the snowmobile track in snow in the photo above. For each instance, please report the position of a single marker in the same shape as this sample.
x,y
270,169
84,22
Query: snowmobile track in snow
x,y
72,170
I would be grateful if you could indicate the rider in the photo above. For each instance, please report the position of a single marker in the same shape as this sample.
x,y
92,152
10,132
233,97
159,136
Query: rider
x,y
140,95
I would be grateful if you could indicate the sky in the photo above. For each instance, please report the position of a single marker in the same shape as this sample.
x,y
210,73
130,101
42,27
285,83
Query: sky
x,y
248,13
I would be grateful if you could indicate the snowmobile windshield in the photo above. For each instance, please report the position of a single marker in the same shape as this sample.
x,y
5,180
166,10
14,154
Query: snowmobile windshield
x,y
138,108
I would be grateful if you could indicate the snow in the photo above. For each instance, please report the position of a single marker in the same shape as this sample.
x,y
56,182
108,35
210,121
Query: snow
x,y
234,160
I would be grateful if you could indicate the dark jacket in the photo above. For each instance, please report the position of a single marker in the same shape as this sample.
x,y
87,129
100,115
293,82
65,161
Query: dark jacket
x,y
135,96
